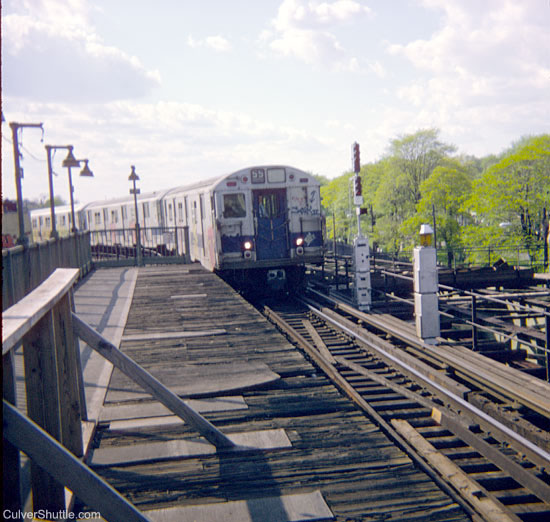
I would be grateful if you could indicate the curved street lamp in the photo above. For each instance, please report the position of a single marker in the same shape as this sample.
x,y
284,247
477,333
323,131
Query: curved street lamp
x,y
85,172
69,161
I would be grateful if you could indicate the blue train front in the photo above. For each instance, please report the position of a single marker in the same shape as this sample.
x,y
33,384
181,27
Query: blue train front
x,y
259,225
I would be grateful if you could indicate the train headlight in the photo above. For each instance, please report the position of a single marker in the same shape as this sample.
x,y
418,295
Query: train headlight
x,y
300,241
247,245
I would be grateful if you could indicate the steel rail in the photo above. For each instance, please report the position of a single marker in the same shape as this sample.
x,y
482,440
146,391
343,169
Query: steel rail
x,y
520,443
340,382
447,419
428,351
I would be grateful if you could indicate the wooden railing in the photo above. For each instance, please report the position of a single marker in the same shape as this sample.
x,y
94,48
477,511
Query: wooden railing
x,y
44,324
24,268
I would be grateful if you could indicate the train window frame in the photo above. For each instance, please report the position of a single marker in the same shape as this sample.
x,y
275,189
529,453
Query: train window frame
x,y
274,175
237,205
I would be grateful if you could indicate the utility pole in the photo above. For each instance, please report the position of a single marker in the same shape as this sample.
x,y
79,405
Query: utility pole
x,y
22,239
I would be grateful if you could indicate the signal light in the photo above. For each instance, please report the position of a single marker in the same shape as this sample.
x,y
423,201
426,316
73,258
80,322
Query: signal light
x,y
247,245
356,158
357,185
300,241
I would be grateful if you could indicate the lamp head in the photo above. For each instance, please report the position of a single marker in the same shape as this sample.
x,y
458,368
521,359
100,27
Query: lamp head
x,y
70,160
133,176
86,172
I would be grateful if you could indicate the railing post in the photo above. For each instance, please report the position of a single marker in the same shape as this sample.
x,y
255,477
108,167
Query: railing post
x,y
11,465
43,406
474,327
547,346
67,374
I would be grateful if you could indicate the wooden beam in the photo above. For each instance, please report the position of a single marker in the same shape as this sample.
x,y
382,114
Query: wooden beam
x,y
22,316
175,449
42,392
300,507
47,453
11,461
483,502
150,384
318,342
67,374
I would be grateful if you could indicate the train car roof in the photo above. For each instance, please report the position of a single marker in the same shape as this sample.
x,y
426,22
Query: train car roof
x,y
147,196
46,211
213,183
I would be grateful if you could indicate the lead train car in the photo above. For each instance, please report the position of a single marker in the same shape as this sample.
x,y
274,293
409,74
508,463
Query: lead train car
x,y
256,225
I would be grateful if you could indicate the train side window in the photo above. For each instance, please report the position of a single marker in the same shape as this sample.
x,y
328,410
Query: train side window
x,y
234,206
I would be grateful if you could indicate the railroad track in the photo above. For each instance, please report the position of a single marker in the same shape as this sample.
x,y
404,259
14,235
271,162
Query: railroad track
x,y
497,473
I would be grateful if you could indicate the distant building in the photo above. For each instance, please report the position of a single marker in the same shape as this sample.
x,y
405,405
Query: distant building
x,y
10,224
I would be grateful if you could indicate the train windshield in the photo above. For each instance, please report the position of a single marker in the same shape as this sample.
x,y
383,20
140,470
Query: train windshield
x,y
234,206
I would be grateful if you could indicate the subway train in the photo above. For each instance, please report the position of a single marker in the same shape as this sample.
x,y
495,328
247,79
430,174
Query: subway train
x,y
258,225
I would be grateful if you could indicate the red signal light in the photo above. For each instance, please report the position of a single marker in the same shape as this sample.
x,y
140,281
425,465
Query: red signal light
x,y
356,158
357,185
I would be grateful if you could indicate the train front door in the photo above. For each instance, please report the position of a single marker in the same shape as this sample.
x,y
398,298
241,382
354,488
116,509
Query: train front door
x,y
271,224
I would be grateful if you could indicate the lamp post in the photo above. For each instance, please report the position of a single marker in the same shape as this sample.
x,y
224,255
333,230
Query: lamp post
x,y
85,172
135,191
22,239
69,161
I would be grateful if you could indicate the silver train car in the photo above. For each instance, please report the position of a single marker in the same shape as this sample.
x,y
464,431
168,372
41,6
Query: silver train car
x,y
258,225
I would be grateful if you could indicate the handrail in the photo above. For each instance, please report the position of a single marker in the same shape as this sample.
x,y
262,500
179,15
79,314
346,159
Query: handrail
x,y
22,316
81,480
43,322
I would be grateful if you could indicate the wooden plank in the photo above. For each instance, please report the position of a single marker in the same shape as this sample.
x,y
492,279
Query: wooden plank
x,y
22,316
46,452
318,342
67,374
173,449
205,379
152,336
301,507
11,461
149,383
484,502
188,296
156,409
42,390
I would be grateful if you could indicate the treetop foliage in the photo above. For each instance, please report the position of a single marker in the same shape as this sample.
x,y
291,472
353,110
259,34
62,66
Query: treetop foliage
x,y
473,202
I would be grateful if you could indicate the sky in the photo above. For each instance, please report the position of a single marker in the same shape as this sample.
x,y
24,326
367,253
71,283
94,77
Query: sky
x,y
191,89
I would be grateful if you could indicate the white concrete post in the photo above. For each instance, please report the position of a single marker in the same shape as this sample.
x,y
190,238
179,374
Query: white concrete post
x,y
426,287
361,264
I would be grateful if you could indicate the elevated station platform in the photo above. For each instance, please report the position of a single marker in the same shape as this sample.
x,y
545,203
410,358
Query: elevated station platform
x,y
305,451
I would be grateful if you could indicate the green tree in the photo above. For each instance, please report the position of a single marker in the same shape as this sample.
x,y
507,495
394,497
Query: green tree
x,y
415,156
337,206
511,200
443,196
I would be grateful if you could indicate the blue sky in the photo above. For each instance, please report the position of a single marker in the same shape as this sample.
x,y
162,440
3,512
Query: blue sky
x,y
189,89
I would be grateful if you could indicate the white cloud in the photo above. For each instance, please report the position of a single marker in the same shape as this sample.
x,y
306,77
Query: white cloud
x,y
487,64
51,53
307,32
217,43
170,143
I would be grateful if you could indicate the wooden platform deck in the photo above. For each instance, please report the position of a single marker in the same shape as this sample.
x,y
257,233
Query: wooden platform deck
x,y
248,378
